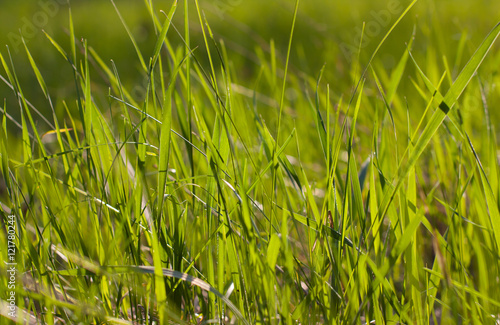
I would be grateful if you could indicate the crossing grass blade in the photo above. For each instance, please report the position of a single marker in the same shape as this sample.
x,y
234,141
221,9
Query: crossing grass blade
x,y
439,115
228,180
163,34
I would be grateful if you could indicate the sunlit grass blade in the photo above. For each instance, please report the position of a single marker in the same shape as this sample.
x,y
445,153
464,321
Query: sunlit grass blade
x,y
493,204
439,115
39,77
163,34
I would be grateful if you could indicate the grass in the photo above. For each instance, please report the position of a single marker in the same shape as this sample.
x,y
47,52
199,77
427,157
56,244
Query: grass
x,y
218,192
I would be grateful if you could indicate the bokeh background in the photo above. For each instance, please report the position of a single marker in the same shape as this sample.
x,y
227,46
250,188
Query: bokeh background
x,y
325,33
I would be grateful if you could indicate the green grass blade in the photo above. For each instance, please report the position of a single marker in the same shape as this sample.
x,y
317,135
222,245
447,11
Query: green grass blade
x,y
163,34
39,77
493,204
440,114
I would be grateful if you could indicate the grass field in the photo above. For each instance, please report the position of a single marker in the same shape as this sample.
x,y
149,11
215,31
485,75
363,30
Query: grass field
x,y
237,162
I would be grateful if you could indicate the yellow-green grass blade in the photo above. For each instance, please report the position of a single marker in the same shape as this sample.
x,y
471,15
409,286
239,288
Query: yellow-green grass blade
x,y
76,189
87,121
312,224
163,35
38,75
381,43
157,270
412,253
439,115
25,112
353,196
173,274
492,203
397,74
466,288
320,125
72,35
436,97
397,250
165,139
58,48
282,99
5,153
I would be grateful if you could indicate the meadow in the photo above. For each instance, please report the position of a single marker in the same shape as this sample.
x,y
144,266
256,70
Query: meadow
x,y
250,162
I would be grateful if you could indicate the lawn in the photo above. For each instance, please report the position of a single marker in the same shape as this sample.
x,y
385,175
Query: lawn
x,y
250,162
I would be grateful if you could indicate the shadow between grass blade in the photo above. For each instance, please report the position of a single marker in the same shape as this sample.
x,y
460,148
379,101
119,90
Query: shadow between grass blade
x,y
184,277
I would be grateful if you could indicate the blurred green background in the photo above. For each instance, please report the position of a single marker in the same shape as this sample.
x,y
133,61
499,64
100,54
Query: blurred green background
x,y
327,32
